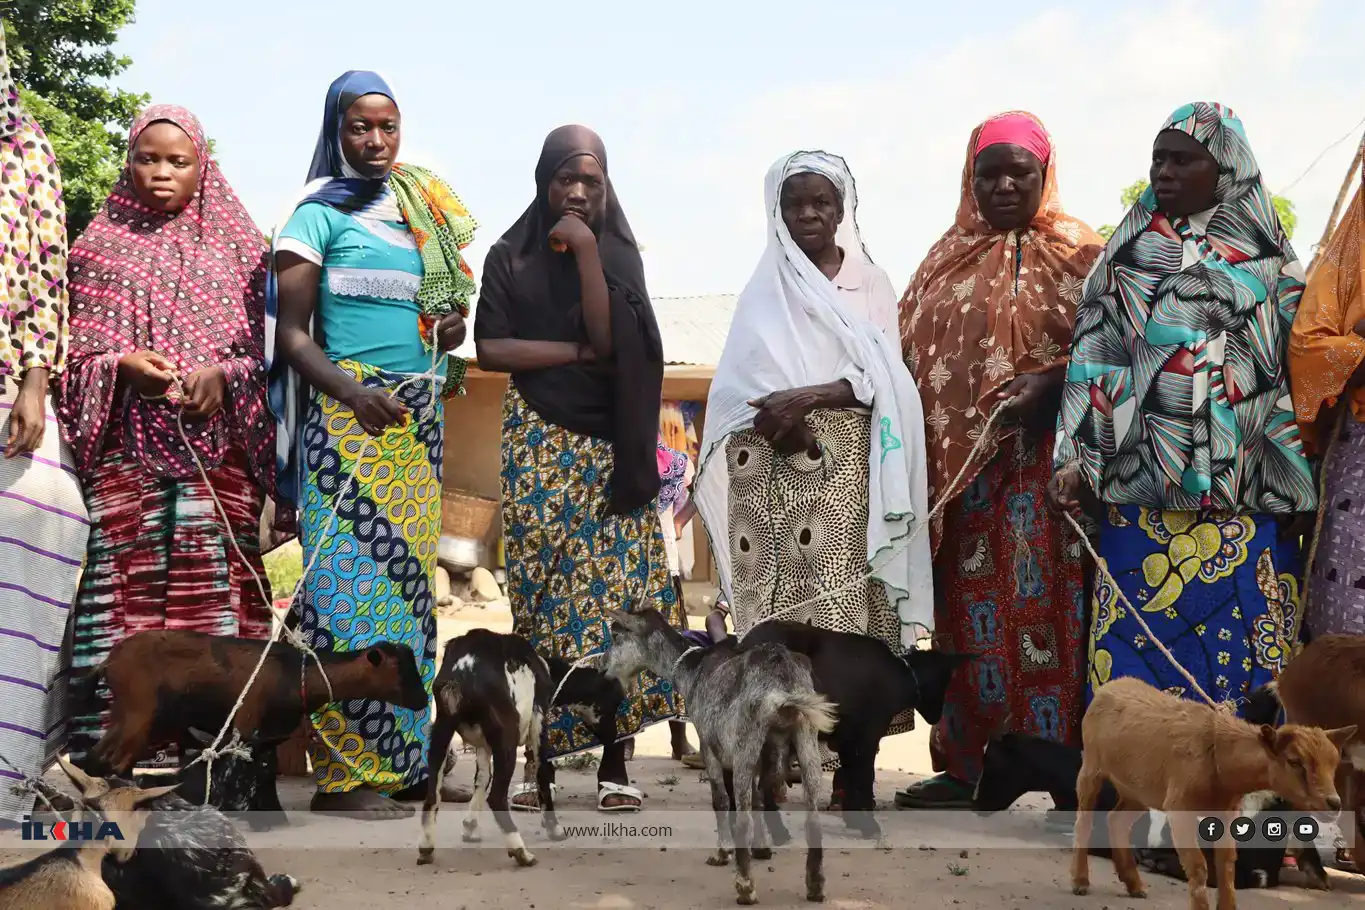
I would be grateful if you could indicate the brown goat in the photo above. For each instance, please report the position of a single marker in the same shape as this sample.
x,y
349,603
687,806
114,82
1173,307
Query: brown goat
x,y
69,877
163,683
1325,686
1185,758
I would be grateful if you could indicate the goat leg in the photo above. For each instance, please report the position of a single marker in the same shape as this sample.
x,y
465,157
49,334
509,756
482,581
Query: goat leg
x,y
504,764
808,758
438,748
1185,838
537,745
720,804
1088,784
482,775
859,802
1309,861
1121,820
744,828
771,776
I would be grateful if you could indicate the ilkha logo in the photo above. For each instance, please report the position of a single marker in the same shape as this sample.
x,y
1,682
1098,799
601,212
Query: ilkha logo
x,y
67,831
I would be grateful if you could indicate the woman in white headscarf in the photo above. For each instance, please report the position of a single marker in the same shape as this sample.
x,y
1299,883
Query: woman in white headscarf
x,y
813,476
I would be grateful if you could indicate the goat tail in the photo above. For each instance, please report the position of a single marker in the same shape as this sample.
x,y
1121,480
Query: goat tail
x,y
82,689
810,708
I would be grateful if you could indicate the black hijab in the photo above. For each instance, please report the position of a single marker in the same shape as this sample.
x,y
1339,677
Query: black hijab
x,y
533,293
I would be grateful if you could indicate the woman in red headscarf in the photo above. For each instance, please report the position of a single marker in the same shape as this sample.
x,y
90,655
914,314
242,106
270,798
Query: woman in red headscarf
x,y
985,324
167,315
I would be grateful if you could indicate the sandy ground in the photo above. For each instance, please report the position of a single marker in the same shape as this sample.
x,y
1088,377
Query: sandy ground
x,y
650,876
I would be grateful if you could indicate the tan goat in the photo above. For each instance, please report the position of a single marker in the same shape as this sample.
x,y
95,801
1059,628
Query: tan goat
x,y
69,876
1187,759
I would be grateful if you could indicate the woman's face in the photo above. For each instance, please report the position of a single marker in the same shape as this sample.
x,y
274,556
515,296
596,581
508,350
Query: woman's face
x,y
1184,174
370,134
579,187
811,210
1007,182
165,167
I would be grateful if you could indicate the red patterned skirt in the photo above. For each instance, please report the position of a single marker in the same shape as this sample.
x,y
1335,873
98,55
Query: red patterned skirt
x,y
1013,590
159,558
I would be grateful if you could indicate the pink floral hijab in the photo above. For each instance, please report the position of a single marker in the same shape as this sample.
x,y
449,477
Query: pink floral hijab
x,y
189,286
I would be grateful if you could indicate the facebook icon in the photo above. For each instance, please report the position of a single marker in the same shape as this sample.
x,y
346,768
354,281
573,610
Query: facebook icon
x,y
1211,829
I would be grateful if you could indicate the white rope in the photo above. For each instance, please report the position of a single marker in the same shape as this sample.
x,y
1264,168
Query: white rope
x,y
234,747
987,437
30,784
1229,705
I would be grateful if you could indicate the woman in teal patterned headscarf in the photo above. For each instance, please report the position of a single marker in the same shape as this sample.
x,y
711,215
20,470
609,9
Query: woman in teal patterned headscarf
x,y
1176,428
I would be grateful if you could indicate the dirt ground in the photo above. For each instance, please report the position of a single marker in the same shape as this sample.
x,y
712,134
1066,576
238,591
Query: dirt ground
x,y
613,878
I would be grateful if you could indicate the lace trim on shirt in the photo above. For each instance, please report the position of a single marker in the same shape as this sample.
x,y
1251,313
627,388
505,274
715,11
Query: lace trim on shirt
x,y
389,284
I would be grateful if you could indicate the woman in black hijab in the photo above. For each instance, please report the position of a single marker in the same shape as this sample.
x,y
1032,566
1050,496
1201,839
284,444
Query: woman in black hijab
x,y
564,310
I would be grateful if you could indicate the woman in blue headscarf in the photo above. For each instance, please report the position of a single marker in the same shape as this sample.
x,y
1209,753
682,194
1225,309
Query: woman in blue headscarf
x,y
370,256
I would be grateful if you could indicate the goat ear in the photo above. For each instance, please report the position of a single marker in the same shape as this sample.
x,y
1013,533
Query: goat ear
x,y
204,739
621,617
374,656
146,796
1269,738
1341,735
89,786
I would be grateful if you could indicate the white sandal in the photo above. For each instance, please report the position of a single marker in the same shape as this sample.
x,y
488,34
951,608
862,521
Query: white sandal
x,y
606,788
523,788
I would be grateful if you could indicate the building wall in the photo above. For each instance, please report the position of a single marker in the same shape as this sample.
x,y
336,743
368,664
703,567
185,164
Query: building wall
x,y
473,440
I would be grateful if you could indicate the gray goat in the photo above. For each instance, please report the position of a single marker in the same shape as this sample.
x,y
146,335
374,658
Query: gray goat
x,y
752,708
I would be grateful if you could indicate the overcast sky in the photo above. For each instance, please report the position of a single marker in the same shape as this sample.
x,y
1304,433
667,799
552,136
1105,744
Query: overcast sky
x,y
696,100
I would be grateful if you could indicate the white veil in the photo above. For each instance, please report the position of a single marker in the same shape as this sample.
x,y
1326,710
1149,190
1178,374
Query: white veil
x,y
790,329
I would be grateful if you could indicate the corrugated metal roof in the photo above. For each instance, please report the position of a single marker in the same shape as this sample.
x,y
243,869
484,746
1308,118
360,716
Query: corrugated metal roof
x,y
693,328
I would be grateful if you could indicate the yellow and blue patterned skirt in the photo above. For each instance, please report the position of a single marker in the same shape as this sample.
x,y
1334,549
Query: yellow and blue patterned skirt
x,y
568,562
1219,590
372,580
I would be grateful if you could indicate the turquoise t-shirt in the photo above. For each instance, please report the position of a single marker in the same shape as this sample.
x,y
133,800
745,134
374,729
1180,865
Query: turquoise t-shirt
x,y
367,302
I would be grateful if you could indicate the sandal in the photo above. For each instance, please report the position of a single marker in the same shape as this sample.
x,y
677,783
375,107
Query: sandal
x,y
525,796
942,791
629,798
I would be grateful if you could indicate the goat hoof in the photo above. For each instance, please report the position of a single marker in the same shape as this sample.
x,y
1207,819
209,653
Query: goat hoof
x,y
523,857
425,857
1080,890
719,858
815,895
762,853
469,837
744,891
556,833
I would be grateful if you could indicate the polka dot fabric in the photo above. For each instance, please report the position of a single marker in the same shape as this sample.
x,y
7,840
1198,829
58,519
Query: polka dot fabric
x,y
189,286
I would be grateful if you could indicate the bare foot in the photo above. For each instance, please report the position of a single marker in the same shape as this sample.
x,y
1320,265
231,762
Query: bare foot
x,y
362,802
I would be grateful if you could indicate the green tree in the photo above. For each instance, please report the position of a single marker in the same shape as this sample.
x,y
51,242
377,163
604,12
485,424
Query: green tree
x,y
1283,207
61,59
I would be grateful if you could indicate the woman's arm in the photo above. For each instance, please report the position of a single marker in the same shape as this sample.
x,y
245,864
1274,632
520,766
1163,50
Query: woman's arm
x,y
517,355
299,280
575,234
298,288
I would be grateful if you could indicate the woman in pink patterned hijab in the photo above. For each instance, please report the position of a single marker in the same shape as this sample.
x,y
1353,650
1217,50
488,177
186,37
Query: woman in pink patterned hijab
x,y
167,314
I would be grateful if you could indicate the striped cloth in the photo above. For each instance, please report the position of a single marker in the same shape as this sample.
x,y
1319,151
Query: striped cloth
x,y
42,541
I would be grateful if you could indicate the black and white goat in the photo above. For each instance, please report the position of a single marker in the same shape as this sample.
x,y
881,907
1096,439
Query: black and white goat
x,y
870,685
492,689
752,707
1015,764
